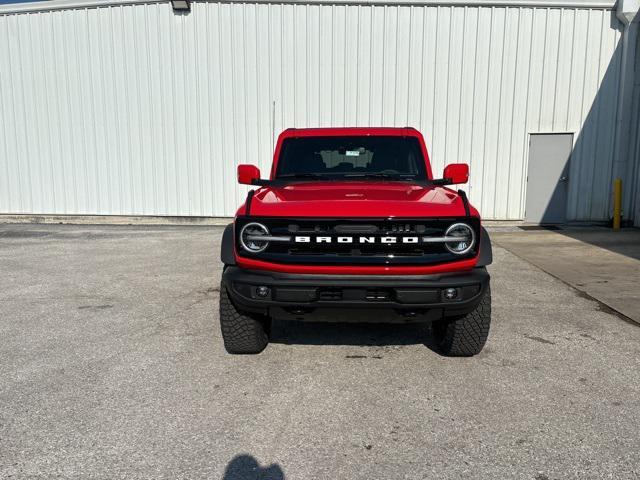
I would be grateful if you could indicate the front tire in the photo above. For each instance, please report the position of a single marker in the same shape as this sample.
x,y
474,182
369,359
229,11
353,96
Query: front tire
x,y
465,336
242,333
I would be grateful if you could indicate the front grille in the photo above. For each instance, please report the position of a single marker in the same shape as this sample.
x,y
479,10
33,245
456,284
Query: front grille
x,y
359,241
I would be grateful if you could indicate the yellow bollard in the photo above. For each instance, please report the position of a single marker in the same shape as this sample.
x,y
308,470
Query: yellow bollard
x,y
617,203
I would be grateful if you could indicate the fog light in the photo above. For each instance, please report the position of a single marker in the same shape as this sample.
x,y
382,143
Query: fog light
x,y
450,293
262,291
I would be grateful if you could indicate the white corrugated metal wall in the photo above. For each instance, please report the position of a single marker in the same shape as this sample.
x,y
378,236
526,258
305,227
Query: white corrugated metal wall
x,y
135,110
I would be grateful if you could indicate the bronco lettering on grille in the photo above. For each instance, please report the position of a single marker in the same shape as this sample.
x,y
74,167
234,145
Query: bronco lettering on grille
x,y
361,240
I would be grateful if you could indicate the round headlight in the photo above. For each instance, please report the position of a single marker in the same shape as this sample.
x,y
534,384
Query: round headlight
x,y
250,237
466,235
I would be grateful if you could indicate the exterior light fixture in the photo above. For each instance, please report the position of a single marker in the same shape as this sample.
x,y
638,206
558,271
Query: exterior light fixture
x,y
450,293
181,5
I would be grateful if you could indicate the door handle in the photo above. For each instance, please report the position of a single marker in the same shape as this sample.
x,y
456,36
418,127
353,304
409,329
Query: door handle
x,y
564,179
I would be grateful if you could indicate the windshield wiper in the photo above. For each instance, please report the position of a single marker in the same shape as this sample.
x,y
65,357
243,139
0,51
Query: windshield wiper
x,y
302,175
344,176
394,176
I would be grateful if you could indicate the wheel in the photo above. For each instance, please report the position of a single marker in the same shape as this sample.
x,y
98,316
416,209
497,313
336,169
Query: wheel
x,y
242,333
465,336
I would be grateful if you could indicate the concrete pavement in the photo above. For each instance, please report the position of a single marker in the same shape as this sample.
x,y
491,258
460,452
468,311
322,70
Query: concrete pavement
x,y
595,260
112,366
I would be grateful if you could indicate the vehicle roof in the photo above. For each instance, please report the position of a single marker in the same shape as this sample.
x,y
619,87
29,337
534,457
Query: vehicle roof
x,y
350,131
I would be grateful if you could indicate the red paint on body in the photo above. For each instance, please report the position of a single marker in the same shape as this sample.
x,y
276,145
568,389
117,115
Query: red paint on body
x,y
356,199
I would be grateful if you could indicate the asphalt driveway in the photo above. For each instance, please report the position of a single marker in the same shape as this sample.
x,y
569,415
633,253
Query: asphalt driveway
x,y
112,366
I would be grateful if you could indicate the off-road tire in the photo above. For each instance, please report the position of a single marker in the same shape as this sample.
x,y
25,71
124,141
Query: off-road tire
x,y
242,333
465,336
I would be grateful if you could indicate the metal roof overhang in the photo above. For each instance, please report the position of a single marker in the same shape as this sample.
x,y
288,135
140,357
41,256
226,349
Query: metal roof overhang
x,y
81,4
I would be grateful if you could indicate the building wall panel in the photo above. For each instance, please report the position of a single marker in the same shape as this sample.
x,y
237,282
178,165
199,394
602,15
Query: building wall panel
x,y
135,110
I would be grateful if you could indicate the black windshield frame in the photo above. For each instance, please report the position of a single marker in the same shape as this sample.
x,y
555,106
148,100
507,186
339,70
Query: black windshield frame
x,y
351,157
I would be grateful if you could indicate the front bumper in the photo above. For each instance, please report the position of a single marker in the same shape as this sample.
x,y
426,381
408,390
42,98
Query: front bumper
x,y
355,298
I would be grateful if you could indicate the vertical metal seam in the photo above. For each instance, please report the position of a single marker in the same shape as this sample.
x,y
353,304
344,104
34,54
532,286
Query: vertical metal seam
x,y
460,87
35,124
271,69
245,56
332,65
319,110
293,58
140,123
257,80
234,116
395,69
344,70
513,107
433,105
163,110
422,62
596,104
24,115
446,84
372,22
212,159
409,65
65,206
384,57
221,90
127,109
5,142
307,76
499,132
544,54
618,59
154,174
573,39
196,80
83,119
74,173
555,82
116,105
580,146
107,147
473,95
357,122
525,166
47,100
486,110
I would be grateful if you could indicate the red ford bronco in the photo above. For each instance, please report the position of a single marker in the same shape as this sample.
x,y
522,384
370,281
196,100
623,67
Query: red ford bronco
x,y
352,226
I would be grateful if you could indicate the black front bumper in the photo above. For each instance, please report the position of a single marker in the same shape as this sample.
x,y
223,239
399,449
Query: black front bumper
x,y
370,298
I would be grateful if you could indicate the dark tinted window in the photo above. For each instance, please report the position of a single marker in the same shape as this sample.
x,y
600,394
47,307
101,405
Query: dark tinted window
x,y
351,157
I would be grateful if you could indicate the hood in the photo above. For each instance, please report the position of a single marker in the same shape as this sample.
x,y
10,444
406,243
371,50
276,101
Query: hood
x,y
357,199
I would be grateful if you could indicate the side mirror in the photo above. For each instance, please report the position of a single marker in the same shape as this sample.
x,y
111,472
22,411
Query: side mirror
x,y
247,174
456,173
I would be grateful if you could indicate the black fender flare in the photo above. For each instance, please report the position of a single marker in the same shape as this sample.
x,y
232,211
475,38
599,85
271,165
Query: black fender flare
x,y
227,255
486,252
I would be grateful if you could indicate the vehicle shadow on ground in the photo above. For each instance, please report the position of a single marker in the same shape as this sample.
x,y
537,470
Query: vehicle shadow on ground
x,y
246,467
363,334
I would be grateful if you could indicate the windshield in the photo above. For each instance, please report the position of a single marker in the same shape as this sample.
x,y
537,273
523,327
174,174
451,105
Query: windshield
x,y
392,158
